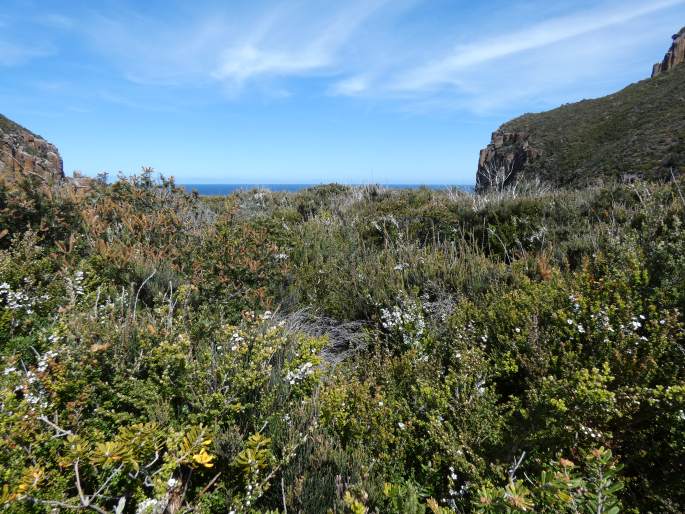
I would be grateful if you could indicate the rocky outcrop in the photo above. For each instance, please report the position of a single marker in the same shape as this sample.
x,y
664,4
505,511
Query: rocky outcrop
x,y
21,151
504,158
674,56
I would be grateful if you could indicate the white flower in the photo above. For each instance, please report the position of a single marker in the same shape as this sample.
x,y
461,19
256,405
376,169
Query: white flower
x,y
146,506
569,321
518,330
401,425
581,329
595,434
172,482
405,320
293,377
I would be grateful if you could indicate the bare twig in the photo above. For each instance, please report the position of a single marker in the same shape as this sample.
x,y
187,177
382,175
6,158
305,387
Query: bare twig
x,y
515,466
103,487
67,506
84,500
210,484
60,431
135,303
285,507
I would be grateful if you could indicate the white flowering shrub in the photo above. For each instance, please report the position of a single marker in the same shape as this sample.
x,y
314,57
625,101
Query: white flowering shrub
x,y
405,321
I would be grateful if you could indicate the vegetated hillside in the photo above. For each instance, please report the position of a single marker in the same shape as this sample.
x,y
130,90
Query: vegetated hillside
x,y
342,350
6,124
22,151
639,131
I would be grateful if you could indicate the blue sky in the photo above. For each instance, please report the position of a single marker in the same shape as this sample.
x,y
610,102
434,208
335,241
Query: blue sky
x,y
305,91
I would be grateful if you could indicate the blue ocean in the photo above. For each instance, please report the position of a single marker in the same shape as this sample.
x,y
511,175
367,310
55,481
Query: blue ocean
x,y
227,189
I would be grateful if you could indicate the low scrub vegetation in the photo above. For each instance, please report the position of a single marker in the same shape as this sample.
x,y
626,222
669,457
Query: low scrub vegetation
x,y
341,349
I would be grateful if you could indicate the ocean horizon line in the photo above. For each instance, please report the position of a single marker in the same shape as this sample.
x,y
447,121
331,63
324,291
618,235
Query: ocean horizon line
x,y
218,189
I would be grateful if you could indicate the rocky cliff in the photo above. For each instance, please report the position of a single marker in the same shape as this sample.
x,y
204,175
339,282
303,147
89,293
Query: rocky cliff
x,y
674,56
507,154
638,132
22,151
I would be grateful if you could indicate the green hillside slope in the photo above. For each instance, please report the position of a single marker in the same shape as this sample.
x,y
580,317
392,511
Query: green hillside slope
x,y
639,131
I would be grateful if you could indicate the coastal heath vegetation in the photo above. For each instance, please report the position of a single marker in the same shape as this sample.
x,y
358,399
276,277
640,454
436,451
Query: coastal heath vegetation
x,y
341,349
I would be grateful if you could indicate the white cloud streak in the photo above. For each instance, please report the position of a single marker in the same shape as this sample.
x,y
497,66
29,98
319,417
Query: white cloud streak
x,y
372,49
446,70
351,86
13,54
281,41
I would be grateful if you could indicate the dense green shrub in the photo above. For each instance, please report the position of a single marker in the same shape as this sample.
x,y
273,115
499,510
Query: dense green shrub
x,y
341,350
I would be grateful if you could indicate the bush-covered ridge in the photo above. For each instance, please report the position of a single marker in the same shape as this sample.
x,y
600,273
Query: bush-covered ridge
x,y
637,132
341,349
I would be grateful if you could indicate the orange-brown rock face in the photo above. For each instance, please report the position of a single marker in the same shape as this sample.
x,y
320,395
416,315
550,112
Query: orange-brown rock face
x,y
23,152
674,56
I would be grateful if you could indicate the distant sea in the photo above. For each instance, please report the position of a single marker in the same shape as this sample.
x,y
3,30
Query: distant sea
x,y
227,189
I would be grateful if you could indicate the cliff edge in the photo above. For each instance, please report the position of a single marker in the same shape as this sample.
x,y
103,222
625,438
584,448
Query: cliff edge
x,y
674,56
22,151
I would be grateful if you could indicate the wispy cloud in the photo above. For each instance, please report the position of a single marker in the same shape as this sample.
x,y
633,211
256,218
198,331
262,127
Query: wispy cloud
x,y
279,41
310,52
17,45
446,70
14,54
351,86
399,51
55,20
